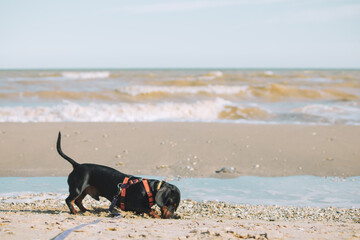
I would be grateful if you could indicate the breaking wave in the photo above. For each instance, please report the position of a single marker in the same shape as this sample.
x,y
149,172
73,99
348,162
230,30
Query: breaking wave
x,y
85,75
272,93
278,92
217,110
335,114
211,110
320,97
210,89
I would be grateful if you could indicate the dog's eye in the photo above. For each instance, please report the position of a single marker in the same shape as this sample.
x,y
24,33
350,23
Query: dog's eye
x,y
175,205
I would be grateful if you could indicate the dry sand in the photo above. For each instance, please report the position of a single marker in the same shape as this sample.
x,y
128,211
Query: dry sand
x,y
47,218
45,226
186,150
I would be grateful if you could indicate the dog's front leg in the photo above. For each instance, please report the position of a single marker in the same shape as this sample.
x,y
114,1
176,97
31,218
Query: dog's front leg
x,y
153,214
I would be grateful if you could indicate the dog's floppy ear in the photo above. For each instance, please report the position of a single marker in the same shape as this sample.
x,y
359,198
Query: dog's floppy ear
x,y
162,196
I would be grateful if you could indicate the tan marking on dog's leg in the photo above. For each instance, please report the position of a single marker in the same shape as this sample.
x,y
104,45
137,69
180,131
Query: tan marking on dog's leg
x,y
153,214
73,211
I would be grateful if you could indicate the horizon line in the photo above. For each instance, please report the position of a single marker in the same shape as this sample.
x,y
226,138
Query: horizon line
x,y
181,68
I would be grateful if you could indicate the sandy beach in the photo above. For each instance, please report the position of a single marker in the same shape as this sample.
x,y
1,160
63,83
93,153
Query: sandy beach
x,y
180,150
49,217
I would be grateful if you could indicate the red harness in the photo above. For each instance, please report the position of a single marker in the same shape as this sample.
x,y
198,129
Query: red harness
x,y
126,183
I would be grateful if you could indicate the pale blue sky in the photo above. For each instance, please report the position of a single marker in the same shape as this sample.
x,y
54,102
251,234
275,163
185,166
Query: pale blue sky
x,y
180,34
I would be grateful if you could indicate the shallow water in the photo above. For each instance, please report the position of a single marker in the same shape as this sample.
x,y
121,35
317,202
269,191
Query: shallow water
x,y
283,191
244,96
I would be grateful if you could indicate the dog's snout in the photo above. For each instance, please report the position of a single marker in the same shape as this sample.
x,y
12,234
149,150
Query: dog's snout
x,y
166,212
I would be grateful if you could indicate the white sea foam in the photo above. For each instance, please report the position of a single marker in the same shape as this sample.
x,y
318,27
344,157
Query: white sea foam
x,y
85,75
216,74
210,89
319,80
123,112
215,110
269,73
343,113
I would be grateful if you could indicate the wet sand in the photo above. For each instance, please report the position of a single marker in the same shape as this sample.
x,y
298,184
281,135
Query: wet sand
x,y
179,150
182,149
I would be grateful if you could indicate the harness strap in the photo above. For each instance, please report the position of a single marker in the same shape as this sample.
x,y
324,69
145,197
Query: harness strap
x,y
125,185
148,192
123,194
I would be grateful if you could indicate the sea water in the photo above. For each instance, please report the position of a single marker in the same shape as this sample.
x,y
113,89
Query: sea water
x,y
205,95
283,191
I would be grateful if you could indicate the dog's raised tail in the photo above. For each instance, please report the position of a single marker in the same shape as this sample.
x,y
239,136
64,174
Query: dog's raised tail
x,y
58,147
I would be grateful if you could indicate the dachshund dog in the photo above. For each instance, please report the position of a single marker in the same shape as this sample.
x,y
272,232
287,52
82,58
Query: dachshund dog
x,y
97,180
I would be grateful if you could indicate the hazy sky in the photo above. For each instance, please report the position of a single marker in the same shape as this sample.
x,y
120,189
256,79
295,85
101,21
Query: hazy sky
x,y
180,34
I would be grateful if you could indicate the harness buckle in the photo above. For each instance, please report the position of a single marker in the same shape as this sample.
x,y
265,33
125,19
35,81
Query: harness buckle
x,y
119,189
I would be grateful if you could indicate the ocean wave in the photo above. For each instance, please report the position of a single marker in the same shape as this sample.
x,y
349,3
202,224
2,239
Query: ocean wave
x,y
216,110
271,93
278,92
334,114
165,93
245,112
211,76
60,95
211,110
209,89
43,76
85,75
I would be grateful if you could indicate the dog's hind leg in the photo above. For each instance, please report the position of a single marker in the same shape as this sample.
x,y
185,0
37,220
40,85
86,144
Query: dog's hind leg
x,y
74,194
76,180
70,203
78,201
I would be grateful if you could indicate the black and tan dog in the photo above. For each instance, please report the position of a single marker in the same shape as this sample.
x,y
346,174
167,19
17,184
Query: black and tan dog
x,y
97,180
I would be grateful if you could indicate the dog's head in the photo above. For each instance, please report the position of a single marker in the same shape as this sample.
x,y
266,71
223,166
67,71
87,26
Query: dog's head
x,y
168,199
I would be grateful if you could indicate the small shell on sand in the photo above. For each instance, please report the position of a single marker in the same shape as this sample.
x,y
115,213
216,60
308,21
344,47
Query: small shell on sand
x,y
162,167
226,170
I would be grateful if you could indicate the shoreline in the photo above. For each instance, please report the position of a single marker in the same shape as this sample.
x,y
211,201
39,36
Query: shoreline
x,y
297,191
182,149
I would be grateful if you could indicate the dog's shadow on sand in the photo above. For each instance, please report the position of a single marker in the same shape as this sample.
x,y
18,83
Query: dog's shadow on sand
x,y
96,211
